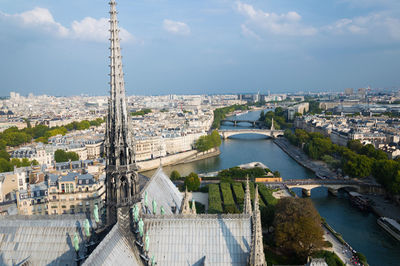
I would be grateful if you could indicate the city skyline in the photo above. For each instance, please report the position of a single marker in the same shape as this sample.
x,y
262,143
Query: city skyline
x,y
201,48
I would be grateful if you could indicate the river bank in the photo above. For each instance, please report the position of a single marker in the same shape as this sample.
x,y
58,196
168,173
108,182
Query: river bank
x,y
175,159
320,169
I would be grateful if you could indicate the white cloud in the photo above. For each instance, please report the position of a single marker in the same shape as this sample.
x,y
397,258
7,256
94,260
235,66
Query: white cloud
x,y
283,24
38,18
95,30
249,33
374,25
176,27
87,29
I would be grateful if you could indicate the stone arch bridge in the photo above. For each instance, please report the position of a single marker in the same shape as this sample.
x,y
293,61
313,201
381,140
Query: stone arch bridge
x,y
265,132
333,185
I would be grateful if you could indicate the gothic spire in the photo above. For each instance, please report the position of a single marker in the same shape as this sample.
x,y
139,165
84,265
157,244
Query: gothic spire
x,y
247,199
257,257
121,179
185,206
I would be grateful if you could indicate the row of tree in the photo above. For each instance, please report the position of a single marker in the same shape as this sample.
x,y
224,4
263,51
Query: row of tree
x,y
355,160
220,113
207,142
142,112
63,156
13,137
8,165
279,118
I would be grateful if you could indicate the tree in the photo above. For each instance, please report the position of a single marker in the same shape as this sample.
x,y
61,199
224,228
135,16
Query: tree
x,y
277,174
175,175
216,139
5,165
298,228
4,154
355,145
62,156
262,116
192,182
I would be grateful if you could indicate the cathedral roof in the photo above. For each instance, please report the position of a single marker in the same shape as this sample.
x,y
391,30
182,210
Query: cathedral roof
x,y
39,240
114,249
163,191
184,240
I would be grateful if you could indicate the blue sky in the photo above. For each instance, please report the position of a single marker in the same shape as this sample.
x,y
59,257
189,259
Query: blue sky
x,y
195,47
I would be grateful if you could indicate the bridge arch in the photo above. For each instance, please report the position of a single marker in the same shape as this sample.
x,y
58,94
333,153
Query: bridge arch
x,y
264,132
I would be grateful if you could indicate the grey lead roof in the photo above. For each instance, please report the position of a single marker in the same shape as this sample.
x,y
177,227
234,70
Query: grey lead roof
x,y
114,249
39,240
163,191
216,240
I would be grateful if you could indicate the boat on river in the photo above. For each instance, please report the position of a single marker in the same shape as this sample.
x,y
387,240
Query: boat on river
x,y
391,226
359,201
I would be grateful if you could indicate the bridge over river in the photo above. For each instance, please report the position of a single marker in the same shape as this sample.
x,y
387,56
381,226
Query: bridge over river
x,y
226,133
333,185
235,122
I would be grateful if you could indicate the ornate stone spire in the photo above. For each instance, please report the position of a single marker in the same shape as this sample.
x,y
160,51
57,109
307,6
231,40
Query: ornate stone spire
x,y
272,125
247,199
121,176
257,257
185,207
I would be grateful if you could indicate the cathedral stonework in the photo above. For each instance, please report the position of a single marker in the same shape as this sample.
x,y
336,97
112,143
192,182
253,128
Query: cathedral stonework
x,y
121,171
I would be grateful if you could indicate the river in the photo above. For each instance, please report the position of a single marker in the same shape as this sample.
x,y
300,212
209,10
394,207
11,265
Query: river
x,y
358,228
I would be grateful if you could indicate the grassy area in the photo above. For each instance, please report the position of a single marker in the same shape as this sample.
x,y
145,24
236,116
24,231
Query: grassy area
x,y
214,199
266,194
277,259
229,203
239,194
331,258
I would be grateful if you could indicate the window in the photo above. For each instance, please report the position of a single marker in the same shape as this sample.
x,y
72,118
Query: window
x,y
87,181
80,181
54,197
87,203
71,187
62,188
20,182
67,188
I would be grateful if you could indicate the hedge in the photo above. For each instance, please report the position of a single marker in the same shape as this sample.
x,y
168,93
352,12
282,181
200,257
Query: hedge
x,y
214,199
266,194
229,203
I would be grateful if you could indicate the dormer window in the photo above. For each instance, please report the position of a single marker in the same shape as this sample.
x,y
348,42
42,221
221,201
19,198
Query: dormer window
x,y
80,182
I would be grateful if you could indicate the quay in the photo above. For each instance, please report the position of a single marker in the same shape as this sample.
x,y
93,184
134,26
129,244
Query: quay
x,y
319,168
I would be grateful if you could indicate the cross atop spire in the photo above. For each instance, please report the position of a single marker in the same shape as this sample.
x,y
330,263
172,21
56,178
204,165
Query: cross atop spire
x,y
121,178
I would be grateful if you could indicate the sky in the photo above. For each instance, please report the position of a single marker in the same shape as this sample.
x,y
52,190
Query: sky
x,y
60,47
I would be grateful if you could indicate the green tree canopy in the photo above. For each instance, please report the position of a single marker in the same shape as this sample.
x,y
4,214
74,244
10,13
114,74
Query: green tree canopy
x,y
192,182
63,156
175,175
298,227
